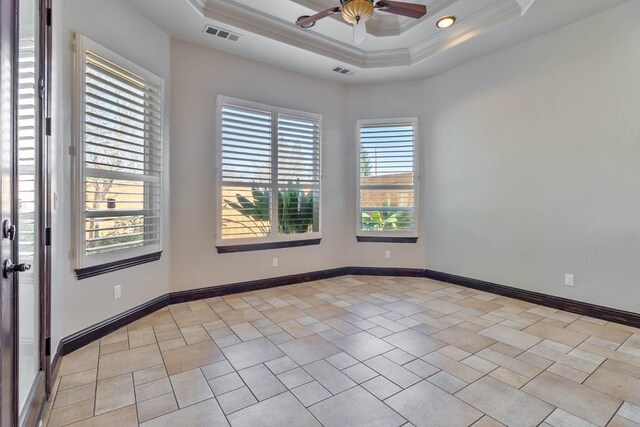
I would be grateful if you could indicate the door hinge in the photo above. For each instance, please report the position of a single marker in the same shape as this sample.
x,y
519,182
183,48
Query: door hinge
x,y
47,346
47,126
41,89
47,236
72,150
49,16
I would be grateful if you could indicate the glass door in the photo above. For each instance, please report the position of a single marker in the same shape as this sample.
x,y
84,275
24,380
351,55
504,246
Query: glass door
x,y
28,151
8,114
24,283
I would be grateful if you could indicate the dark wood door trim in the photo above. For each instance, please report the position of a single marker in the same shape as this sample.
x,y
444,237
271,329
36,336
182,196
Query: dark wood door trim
x,y
45,202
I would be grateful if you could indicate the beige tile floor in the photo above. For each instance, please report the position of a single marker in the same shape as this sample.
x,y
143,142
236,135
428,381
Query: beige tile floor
x,y
355,350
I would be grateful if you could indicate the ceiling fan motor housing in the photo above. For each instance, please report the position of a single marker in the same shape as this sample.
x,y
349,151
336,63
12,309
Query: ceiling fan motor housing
x,y
355,11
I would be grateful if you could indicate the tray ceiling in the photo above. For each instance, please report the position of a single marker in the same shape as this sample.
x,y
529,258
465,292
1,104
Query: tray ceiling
x,y
396,48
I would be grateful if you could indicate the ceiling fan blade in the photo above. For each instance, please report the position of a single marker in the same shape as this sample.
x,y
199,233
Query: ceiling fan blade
x,y
411,10
312,19
359,32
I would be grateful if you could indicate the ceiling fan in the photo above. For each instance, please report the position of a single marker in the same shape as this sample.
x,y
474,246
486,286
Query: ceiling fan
x,y
358,12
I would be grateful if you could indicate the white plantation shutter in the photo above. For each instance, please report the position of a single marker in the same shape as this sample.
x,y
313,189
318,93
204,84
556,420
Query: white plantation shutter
x,y
267,151
387,179
120,156
246,172
299,171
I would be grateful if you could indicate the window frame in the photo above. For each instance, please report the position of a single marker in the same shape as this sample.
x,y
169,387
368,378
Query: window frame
x,y
409,236
273,240
92,265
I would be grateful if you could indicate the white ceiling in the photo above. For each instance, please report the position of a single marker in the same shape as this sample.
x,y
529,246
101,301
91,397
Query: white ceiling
x,y
397,48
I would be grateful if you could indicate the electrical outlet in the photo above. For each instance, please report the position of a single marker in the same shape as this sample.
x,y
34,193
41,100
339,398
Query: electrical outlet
x,y
275,262
387,254
117,292
568,279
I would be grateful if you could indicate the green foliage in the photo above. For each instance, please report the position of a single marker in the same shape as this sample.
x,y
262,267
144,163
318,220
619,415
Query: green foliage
x,y
365,163
385,220
295,210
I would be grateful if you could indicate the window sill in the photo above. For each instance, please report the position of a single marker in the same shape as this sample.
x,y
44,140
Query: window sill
x,y
265,246
96,270
384,239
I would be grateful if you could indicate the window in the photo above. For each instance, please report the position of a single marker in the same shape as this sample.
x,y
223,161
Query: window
x,y
119,160
269,170
387,180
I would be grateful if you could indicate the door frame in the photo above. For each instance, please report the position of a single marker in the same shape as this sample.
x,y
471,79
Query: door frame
x,y
10,413
41,388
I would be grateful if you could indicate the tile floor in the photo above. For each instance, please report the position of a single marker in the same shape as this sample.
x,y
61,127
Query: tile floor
x,y
368,351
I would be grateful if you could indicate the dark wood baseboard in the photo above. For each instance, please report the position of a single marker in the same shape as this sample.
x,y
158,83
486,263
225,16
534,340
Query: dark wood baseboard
x,y
104,328
95,332
254,285
385,271
578,307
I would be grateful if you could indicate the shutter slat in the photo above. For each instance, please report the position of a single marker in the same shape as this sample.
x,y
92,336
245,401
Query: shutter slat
x,y
149,146
97,80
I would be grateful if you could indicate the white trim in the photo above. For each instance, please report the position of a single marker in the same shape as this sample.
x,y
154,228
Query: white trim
x,y
82,260
274,112
416,177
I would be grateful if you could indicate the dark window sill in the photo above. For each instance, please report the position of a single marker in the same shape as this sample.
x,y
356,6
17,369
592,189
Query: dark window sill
x,y
382,239
265,246
96,270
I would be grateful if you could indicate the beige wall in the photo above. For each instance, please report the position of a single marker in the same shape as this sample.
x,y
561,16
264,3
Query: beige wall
x,y
117,26
530,161
199,75
380,102
528,164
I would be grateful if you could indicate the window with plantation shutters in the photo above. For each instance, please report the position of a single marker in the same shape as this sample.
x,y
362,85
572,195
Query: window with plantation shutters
x,y
269,162
119,157
387,178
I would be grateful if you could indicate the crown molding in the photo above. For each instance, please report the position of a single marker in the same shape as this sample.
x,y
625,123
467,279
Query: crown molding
x,y
236,14
481,21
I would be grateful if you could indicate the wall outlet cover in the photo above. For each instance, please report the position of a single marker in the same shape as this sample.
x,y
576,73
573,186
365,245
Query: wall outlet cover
x,y
568,279
117,292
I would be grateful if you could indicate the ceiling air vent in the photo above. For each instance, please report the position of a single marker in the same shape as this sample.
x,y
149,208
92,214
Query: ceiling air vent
x,y
345,71
219,32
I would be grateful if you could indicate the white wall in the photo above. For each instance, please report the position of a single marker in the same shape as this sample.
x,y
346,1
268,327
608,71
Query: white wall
x,y
199,75
530,167
114,24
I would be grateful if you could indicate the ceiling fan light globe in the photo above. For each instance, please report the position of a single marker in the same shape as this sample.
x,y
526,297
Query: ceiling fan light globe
x,y
355,11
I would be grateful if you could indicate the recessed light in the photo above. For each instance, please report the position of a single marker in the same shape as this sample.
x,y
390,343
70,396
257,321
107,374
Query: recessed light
x,y
446,21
